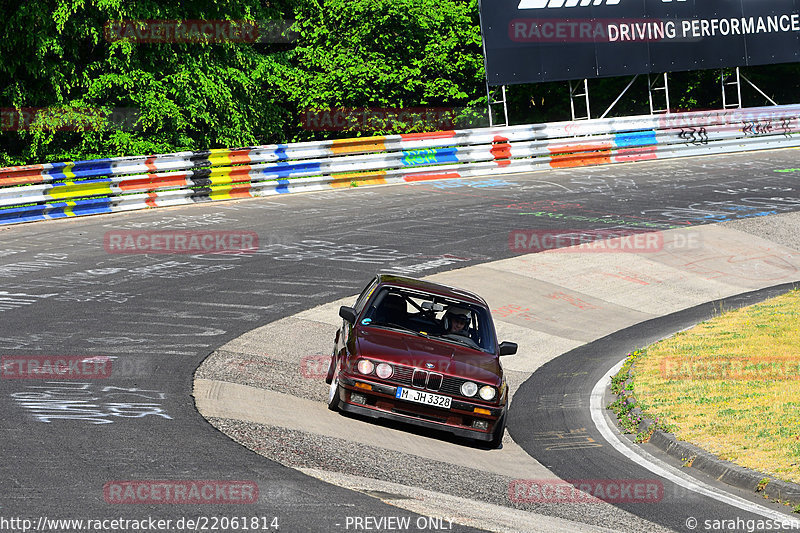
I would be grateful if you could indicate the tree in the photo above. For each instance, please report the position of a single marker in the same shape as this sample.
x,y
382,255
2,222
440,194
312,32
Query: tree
x,y
387,54
173,95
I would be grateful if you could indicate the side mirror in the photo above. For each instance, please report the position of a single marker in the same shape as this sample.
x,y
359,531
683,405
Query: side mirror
x,y
348,313
508,348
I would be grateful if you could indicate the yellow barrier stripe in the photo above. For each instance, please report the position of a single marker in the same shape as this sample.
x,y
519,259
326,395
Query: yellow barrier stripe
x,y
67,170
220,175
351,146
74,189
219,157
363,178
231,192
68,211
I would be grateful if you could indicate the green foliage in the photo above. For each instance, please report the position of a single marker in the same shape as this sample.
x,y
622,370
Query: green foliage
x,y
618,380
55,56
387,54
174,96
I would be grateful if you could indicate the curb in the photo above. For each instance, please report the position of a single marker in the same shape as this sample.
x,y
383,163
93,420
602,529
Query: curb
x,y
696,457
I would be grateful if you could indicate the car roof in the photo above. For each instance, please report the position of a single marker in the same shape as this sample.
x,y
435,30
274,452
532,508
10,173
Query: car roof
x,y
431,287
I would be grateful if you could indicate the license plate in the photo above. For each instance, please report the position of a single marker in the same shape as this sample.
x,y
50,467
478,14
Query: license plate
x,y
418,396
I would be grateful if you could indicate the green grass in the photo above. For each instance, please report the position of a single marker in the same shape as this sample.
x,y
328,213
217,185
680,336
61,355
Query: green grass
x,y
731,386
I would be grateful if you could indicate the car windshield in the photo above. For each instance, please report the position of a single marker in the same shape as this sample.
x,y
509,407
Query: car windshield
x,y
432,316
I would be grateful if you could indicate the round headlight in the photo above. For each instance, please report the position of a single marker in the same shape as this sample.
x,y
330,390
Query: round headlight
x,y
365,366
468,388
488,393
384,370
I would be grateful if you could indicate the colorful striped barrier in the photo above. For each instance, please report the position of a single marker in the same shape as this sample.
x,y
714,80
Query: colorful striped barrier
x,y
76,188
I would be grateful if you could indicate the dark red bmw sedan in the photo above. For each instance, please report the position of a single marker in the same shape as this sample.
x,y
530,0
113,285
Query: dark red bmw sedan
x,y
423,353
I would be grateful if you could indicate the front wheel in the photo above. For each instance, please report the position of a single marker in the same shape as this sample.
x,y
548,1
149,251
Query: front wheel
x,y
333,391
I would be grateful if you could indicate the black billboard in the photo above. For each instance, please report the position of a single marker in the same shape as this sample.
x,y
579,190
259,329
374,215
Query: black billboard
x,y
531,41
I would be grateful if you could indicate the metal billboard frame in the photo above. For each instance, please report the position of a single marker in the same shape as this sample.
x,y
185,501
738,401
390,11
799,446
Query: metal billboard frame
x,y
579,95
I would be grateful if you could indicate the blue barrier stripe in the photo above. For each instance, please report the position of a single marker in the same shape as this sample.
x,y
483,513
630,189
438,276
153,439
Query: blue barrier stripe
x,y
285,170
58,210
61,171
26,218
283,186
77,208
22,214
430,156
90,169
96,210
280,152
635,138
78,203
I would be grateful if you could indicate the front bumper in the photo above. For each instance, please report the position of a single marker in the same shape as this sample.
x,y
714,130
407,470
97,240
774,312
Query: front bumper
x,y
381,403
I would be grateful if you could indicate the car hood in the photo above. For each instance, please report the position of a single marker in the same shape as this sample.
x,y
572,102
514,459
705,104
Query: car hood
x,y
415,351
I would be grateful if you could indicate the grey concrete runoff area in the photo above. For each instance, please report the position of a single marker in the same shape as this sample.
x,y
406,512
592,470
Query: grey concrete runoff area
x,y
270,381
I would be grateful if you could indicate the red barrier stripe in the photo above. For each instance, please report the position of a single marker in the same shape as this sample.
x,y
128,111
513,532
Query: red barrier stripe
x,y
501,150
579,155
30,174
154,181
431,135
240,174
240,192
432,176
240,156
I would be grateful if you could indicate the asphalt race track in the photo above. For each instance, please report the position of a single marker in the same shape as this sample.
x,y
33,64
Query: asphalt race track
x,y
158,316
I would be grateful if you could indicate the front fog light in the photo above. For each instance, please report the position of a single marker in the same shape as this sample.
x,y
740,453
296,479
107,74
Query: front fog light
x,y
365,366
480,424
469,389
384,370
488,393
358,398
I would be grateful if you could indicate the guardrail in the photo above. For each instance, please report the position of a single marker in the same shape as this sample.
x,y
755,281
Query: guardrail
x,y
56,190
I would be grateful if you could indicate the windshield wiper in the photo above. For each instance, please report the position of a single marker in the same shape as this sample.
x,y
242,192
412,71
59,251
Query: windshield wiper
x,y
459,339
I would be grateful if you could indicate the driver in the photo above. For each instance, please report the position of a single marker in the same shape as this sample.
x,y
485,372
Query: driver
x,y
456,320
